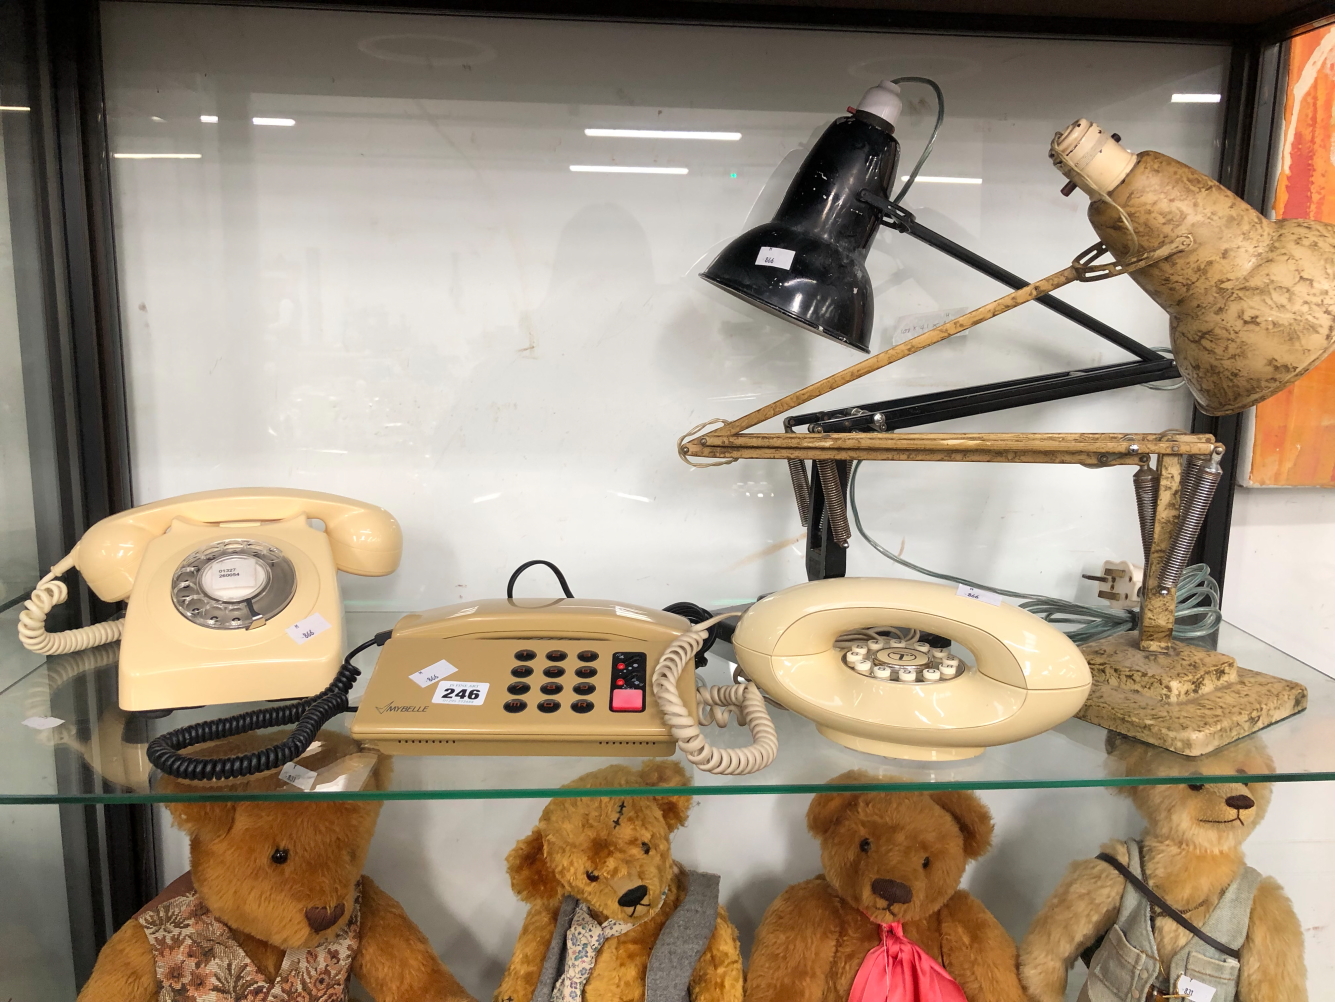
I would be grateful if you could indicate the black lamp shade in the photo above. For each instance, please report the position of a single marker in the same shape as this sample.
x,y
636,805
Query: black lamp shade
x,y
806,266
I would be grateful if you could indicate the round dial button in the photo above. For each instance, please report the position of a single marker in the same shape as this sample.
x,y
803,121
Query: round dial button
x,y
517,688
582,705
584,688
587,655
550,688
586,671
553,671
525,655
514,705
549,705
521,671
556,655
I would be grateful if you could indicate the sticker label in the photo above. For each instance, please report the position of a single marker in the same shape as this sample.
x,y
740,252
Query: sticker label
x,y
298,776
967,591
312,626
42,723
461,693
1195,990
433,673
775,257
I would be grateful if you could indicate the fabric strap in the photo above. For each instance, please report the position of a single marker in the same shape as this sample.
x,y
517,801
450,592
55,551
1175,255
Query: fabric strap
x,y
899,970
1148,893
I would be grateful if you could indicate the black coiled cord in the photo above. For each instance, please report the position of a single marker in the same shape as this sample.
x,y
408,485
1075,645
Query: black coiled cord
x,y
696,614
309,715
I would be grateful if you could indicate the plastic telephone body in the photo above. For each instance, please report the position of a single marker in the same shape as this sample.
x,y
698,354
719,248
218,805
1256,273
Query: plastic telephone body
x,y
557,677
168,659
1026,678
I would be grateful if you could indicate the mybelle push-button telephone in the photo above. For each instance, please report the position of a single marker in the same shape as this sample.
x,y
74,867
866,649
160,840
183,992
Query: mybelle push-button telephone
x,y
232,594
517,676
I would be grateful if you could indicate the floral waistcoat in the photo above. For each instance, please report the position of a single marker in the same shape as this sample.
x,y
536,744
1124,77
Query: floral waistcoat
x,y
198,960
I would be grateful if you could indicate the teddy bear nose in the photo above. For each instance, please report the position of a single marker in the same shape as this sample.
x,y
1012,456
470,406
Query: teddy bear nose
x,y
320,919
1240,802
634,896
892,891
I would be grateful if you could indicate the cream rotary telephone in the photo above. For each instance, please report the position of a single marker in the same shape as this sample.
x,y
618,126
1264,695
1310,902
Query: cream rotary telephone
x,y
903,669
232,594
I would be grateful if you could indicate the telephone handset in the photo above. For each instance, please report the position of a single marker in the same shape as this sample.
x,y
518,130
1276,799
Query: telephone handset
x,y
232,594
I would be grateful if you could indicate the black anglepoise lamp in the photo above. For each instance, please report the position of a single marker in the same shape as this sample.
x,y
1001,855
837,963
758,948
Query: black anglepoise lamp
x,y
807,265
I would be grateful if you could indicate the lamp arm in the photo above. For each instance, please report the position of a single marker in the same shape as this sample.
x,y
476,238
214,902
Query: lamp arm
x,y
900,219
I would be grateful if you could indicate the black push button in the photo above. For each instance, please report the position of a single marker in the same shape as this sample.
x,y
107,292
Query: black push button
x,y
553,671
525,655
582,705
517,688
584,688
586,671
556,655
551,688
521,671
588,655
515,705
549,705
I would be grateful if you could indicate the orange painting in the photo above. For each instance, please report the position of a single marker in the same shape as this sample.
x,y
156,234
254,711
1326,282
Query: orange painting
x,y
1293,444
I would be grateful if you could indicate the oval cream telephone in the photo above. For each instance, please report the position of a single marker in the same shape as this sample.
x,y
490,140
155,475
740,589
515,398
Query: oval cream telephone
x,y
232,594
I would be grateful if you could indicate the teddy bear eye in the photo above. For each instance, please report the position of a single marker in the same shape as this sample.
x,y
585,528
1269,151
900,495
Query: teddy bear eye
x,y
591,875
646,847
279,856
865,845
926,862
1196,787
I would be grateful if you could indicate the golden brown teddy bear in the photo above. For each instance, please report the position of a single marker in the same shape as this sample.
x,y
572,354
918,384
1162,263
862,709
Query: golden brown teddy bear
x,y
888,858
274,904
612,917
1191,856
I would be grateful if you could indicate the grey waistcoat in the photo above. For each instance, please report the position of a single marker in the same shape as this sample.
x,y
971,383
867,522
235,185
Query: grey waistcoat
x,y
680,944
1126,966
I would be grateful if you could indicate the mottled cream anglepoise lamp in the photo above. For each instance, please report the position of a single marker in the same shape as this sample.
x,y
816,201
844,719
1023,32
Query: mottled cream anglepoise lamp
x,y
1252,308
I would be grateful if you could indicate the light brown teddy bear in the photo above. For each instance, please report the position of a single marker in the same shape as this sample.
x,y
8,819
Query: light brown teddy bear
x,y
274,905
889,858
1190,855
612,917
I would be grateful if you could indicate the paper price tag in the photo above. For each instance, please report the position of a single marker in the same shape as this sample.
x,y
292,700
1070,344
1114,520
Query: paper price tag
x,y
42,723
461,693
312,626
297,775
967,591
1195,990
920,323
775,257
433,673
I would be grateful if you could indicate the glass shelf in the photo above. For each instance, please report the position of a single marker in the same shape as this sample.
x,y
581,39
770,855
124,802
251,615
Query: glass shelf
x,y
96,753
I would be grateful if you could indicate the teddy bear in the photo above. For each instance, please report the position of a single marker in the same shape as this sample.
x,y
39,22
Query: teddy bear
x,y
274,907
1190,855
887,920
612,917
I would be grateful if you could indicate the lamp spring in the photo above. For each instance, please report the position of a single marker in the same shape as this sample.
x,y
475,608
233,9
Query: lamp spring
x,y
797,472
1145,483
1199,482
836,508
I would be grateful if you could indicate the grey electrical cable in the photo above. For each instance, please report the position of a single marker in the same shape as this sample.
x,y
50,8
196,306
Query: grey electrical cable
x,y
936,129
1197,595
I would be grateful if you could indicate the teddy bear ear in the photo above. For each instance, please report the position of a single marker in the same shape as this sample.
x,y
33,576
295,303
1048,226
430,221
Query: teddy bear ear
x,y
666,772
530,877
826,809
205,822
971,814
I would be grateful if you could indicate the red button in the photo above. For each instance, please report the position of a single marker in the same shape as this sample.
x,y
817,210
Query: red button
x,y
621,681
627,700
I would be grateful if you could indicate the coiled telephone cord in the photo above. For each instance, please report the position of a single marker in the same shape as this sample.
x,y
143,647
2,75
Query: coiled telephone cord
x,y
718,704
48,594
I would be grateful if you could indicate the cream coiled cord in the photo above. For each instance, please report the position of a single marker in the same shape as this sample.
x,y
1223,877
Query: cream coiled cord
x,y
718,704
48,594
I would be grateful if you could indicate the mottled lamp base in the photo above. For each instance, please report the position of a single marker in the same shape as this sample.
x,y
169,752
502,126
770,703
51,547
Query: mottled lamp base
x,y
1188,700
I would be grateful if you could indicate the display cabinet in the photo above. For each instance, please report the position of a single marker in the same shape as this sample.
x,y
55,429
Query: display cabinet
x,y
445,260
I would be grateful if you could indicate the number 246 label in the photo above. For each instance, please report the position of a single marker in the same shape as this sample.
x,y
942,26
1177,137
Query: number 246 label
x,y
461,693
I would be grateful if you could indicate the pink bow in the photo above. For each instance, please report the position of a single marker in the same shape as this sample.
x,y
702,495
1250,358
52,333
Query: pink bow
x,y
899,970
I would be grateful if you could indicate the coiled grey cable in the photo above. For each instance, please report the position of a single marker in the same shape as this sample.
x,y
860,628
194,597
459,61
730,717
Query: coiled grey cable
x,y
48,594
718,704
1197,595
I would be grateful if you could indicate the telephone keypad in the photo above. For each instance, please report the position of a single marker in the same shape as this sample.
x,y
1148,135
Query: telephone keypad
x,y
582,705
586,671
515,705
550,688
517,688
553,671
556,655
629,682
584,688
521,671
549,705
